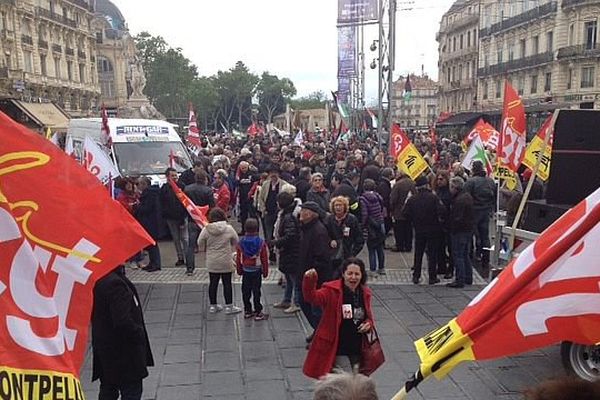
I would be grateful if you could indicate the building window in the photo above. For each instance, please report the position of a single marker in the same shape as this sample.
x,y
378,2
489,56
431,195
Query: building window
x,y
521,85
99,37
449,75
485,90
469,39
57,73
498,89
548,82
534,83
70,70
460,72
591,28
511,51
461,41
523,48
474,36
569,79
550,41
27,61
82,73
535,47
571,34
43,67
454,44
587,77
500,56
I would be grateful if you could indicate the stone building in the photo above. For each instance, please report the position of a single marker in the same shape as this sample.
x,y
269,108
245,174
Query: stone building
x,y
547,49
421,110
47,57
458,57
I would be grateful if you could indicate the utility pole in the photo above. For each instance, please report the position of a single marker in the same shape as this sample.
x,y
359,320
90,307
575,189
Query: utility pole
x,y
385,68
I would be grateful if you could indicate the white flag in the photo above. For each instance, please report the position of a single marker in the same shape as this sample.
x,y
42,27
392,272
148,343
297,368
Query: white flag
x,y
69,148
97,162
299,139
54,139
477,152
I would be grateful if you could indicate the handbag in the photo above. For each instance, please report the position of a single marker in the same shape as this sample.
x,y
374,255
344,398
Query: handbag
x,y
371,353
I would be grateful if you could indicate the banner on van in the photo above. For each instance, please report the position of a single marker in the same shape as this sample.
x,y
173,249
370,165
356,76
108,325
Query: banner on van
x,y
142,130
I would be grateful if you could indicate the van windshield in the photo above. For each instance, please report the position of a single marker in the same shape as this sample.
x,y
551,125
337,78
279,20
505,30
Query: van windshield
x,y
150,158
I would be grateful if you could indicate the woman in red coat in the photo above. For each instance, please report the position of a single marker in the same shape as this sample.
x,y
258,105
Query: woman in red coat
x,y
346,305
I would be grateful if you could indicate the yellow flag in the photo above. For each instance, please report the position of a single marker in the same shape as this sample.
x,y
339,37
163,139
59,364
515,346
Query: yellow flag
x,y
48,133
535,149
411,162
503,172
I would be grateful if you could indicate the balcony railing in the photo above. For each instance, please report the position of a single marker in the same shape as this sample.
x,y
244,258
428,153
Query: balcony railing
x,y
81,54
579,51
576,3
42,44
52,16
528,16
461,23
69,51
57,48
521,63
27,39
82,4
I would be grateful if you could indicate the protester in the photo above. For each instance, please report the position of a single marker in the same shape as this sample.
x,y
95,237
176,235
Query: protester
x,y
344,187
371,205
346,235
148,214
120,346
219,239
175,215
201,195
267,204
318,193
402,189
441,189
287,242
424,211
303,183
245,179
483,191
460,224
315,253
188,177
345,386
347,315
252,262
129,197
384,188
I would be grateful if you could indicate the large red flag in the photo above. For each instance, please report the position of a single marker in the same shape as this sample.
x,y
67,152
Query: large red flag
x,y
59,233
398,141
513,141
488,134
253,129
198,214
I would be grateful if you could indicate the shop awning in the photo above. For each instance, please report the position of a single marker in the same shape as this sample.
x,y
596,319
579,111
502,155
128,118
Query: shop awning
x,y
464,118
47,115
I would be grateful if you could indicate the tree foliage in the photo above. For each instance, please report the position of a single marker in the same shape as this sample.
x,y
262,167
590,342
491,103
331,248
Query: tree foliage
x,y
273,94
312,101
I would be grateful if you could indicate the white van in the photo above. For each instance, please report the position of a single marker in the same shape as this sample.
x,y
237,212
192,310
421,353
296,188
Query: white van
x,y
140,146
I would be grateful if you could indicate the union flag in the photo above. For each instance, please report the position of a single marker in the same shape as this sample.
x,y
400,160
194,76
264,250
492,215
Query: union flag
x,y
198,214
193,137
513,141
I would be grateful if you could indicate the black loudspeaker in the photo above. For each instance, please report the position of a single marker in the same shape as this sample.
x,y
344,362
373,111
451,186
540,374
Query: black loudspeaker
x,y
575,166
539,215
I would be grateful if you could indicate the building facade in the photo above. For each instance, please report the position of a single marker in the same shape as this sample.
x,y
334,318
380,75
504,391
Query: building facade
x,y
48,53
420,110
546,49
458,57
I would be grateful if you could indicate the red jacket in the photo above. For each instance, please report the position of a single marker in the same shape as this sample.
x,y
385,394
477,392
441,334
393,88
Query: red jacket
x,y
323,349
222,197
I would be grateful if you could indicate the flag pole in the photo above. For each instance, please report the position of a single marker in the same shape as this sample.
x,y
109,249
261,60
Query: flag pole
x,y
536,168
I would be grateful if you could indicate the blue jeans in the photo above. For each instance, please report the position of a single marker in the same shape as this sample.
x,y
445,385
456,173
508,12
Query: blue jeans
x,y
376,254
129,391
193,233
482,235
460,242
292,285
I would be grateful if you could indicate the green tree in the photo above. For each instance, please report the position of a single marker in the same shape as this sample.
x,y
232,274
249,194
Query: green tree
x,y
312,101
236,89
272,94
205,98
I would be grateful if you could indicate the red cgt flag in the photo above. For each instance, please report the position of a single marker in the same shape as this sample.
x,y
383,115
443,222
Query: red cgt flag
x,y
513,141
398,141
198,214
59,233
548,294
489,136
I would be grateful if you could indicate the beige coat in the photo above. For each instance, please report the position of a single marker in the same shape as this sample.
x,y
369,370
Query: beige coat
x,y
220,240
264,192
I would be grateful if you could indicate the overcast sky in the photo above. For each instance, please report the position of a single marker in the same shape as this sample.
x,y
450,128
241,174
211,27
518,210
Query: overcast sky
x,y
290,38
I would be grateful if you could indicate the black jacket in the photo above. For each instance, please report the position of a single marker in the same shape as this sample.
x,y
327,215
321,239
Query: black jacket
x,y
245,182
483,191
321,198
353,242
314,249
289,242
384,188
120,342
170,205
187,177
425,211
461,217
148,212
302,188
201,195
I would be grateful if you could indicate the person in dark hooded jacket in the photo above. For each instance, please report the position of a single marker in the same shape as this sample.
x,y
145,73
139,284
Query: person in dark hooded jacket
x,y
175,215
148,215
343,187
371,205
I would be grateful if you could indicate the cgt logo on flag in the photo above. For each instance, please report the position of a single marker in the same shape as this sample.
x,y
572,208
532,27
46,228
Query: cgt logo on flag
x,y
47,274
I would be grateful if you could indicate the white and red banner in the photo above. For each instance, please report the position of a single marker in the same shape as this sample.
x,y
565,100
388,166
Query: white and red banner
x,y
198,214
513,141
193,136
97,162
59,233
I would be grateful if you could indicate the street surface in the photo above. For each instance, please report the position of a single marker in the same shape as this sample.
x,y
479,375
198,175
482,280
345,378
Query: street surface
x,y
201,356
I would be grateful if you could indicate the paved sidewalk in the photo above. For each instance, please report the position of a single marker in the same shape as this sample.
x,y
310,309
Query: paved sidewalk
x,y
203,356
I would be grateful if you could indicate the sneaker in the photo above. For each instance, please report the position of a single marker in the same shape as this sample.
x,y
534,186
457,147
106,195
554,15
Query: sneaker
x,y
249,314
231,309
382,272
455,285
416,281
260,316
189,273
434,281
292,309
282,304
151,268
179,262
212,309
371,274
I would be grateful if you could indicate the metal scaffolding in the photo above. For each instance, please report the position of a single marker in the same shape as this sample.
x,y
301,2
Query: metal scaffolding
x,y
385,66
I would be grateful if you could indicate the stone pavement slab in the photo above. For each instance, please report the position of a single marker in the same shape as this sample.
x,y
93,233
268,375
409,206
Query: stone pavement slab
x,y
216,356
